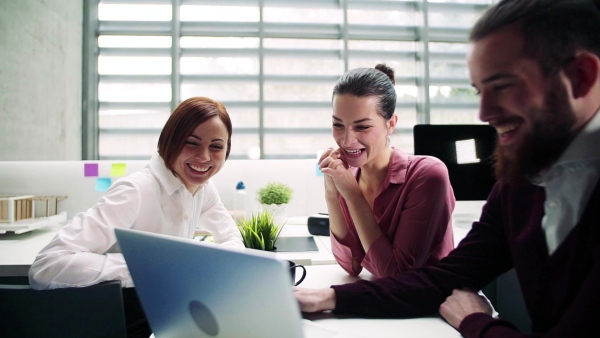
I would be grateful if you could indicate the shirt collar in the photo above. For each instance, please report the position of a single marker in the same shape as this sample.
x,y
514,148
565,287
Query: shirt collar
x,y
396,173
583,146
166,178
397,169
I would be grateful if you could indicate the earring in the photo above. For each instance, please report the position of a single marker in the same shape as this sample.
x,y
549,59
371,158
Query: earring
x,y
388,140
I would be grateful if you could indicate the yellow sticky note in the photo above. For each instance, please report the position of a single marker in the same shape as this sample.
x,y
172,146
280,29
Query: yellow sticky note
x,y
118,169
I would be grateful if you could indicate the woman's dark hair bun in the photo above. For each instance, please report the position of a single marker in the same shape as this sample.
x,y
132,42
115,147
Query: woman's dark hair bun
x,y
389,71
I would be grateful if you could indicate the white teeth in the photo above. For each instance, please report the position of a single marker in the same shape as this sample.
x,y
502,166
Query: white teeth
x,y
202,169
353,151
507,128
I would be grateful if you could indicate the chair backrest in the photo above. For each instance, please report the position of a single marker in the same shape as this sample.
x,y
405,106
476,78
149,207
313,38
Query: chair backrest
x,y
467,152
93,311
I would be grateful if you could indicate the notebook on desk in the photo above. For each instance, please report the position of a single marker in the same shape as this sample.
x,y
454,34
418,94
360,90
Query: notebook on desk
x,y
296,244
193,289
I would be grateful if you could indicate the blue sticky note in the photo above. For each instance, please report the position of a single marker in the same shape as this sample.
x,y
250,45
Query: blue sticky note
x,y
103,183
319,173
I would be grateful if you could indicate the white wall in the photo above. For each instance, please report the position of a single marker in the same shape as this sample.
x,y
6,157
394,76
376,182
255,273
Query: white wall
x,y
44,178
40,79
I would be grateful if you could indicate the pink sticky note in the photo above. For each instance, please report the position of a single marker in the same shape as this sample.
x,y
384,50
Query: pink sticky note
x,y
90,169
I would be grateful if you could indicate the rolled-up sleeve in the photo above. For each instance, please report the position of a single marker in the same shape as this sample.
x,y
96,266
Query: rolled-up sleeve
x,y
216,219
78,255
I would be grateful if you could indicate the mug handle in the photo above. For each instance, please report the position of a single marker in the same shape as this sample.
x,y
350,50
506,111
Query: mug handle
x,y
303,273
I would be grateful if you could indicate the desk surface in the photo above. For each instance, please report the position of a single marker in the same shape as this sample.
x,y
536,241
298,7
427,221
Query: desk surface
x,y
18,251
296,226
321,276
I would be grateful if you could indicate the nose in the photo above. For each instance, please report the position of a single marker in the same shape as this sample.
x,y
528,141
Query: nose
x,y
348,137
488,108
202,154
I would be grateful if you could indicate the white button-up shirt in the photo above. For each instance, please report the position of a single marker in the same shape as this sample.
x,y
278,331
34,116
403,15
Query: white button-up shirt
x,y
569,183
86,252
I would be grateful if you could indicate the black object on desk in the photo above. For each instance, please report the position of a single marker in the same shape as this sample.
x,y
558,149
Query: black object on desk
x,y
318,224
296,244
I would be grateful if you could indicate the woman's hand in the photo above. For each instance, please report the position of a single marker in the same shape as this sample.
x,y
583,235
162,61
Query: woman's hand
x,y
329,158
337,174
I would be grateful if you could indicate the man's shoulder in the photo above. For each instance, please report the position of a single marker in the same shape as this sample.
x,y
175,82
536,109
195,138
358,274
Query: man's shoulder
x,y
512,192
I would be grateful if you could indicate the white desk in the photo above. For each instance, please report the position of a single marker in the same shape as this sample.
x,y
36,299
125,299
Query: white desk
x,y
296,226
18,251
322,276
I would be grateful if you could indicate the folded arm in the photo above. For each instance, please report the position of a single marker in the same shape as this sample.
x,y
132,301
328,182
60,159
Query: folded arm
x,y
79,254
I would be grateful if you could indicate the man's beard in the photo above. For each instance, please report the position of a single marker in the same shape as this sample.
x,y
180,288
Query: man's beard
x,y
550,135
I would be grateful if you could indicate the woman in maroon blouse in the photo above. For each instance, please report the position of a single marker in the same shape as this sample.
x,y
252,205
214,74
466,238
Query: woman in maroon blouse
x,y
389,212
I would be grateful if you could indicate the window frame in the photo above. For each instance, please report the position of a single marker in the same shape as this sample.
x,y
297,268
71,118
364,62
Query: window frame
x,y
421,35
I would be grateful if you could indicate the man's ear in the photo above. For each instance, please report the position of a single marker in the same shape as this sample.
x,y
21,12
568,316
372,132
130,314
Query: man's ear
x,y
583,73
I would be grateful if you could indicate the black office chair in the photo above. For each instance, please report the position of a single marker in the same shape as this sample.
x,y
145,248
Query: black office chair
x,y
470,181
93,311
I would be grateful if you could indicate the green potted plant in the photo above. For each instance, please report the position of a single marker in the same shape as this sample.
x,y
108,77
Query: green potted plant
x,y
259,231
274,193
274,197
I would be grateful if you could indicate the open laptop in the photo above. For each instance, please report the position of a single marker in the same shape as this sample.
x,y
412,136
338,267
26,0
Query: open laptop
x,y
195,289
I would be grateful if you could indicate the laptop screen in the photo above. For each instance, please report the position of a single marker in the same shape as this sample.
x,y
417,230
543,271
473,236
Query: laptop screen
x,y
193,289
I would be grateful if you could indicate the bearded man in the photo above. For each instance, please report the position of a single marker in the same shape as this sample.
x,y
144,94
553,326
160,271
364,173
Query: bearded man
x,y
536,67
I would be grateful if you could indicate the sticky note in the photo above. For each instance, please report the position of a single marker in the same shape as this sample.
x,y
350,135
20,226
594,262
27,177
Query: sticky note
x,y
118,169
103,183
90,169
319,173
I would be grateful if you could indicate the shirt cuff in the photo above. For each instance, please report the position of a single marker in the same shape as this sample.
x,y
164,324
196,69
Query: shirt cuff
x,y
483,325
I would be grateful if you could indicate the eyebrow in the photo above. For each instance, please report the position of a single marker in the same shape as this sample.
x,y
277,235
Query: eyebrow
x,y
357,121
496,77
213,140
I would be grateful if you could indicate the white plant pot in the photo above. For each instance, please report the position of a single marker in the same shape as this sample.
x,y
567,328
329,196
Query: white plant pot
x,y
278,211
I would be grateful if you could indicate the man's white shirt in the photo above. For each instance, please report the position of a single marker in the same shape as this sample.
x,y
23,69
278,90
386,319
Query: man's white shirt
x,y
569,183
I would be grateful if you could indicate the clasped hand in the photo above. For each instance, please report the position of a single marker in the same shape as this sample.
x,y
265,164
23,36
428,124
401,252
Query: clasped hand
x,y
337,176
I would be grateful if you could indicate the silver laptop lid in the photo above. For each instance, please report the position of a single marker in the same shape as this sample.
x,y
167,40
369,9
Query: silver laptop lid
x,y
193,289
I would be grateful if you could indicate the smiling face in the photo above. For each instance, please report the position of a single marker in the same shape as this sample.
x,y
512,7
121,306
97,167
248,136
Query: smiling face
x,y
530,112
203,154
360,131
